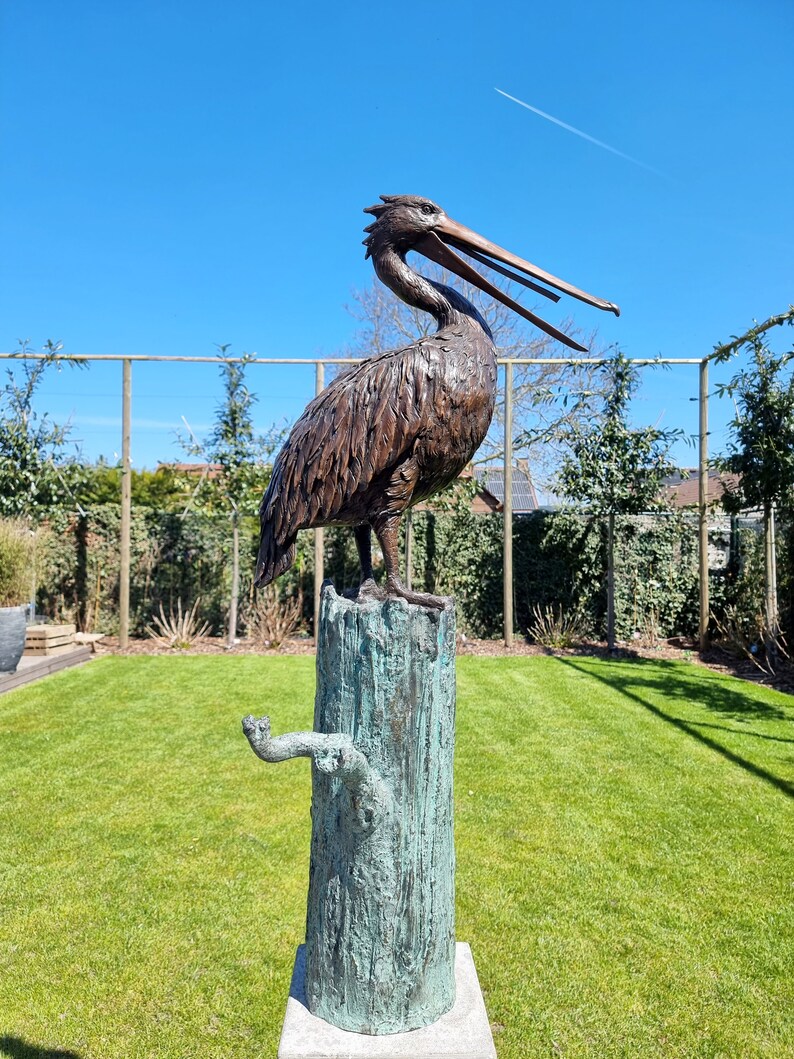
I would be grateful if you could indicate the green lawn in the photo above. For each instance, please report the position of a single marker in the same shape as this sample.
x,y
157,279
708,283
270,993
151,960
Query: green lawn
x,y
624,835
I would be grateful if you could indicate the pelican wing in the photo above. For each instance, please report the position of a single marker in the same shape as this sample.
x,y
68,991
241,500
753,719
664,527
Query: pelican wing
x,y
359,427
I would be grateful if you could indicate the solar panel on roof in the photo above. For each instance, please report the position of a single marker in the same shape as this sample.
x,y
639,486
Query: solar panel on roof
x,y
523,490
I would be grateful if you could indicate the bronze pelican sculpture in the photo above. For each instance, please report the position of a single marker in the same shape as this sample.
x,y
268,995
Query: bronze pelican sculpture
x,y
398,427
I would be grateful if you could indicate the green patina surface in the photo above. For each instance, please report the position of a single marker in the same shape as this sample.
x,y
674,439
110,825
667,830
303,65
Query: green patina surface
x,y
380,931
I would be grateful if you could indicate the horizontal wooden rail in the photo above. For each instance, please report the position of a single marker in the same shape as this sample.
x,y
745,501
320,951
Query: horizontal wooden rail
x,y
84,357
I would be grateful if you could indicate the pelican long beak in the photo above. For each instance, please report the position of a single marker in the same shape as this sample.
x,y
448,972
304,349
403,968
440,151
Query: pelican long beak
x,y
437,244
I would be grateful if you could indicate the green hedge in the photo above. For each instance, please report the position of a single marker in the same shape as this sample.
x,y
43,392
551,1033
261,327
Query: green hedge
x,y
559,558
171,558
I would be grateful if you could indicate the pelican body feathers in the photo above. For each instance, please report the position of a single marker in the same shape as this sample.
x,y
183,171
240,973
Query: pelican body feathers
x,y
401,425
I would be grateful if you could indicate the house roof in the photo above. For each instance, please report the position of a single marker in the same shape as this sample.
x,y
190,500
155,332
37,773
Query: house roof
x,y
681,488
193,470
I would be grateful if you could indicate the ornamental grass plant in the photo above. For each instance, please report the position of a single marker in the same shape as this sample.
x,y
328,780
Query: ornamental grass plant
x,y
17,560
179,629
554,626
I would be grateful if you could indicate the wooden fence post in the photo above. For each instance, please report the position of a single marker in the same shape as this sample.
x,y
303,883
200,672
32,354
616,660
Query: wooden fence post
x,y
126,505
508,507
703,506
319,533
409,547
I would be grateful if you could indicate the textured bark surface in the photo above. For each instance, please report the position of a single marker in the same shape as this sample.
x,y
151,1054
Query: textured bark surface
x,y
380,933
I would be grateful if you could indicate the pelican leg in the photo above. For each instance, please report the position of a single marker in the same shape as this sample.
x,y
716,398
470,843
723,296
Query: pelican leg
x,y
386,530
368,589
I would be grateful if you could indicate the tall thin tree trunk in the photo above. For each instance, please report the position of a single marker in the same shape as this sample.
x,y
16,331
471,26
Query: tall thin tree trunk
x,y
235,580
611,581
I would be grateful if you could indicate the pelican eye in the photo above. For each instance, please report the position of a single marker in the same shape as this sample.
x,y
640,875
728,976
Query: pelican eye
x,y
426,207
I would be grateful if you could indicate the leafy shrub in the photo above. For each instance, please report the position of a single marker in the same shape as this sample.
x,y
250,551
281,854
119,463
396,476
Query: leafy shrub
x,y
273,618
172,557
460,554
745,636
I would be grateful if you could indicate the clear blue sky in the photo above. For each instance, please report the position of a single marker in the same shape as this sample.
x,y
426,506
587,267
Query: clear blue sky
x,y
178,174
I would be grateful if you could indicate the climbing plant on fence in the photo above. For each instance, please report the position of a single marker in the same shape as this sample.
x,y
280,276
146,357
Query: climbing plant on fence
x,y
559,559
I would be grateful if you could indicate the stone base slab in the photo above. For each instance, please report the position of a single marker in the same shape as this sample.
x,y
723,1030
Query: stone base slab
x,y
463,1033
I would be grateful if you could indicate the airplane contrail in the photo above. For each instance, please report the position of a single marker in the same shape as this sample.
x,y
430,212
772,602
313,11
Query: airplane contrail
x,y
578,132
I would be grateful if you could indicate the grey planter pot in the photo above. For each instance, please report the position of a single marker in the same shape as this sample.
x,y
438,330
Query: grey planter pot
x,y
12,637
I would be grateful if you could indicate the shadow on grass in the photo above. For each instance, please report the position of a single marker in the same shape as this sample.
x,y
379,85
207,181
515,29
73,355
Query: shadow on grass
x,y
16,1048
739,731
675,685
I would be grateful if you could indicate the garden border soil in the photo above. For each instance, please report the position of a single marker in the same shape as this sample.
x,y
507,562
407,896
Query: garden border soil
x,y
675,649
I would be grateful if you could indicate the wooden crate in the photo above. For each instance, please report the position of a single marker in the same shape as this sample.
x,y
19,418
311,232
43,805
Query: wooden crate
x,y
48,640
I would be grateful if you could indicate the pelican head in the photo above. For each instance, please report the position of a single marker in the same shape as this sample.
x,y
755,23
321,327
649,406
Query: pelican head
x,y
412,222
